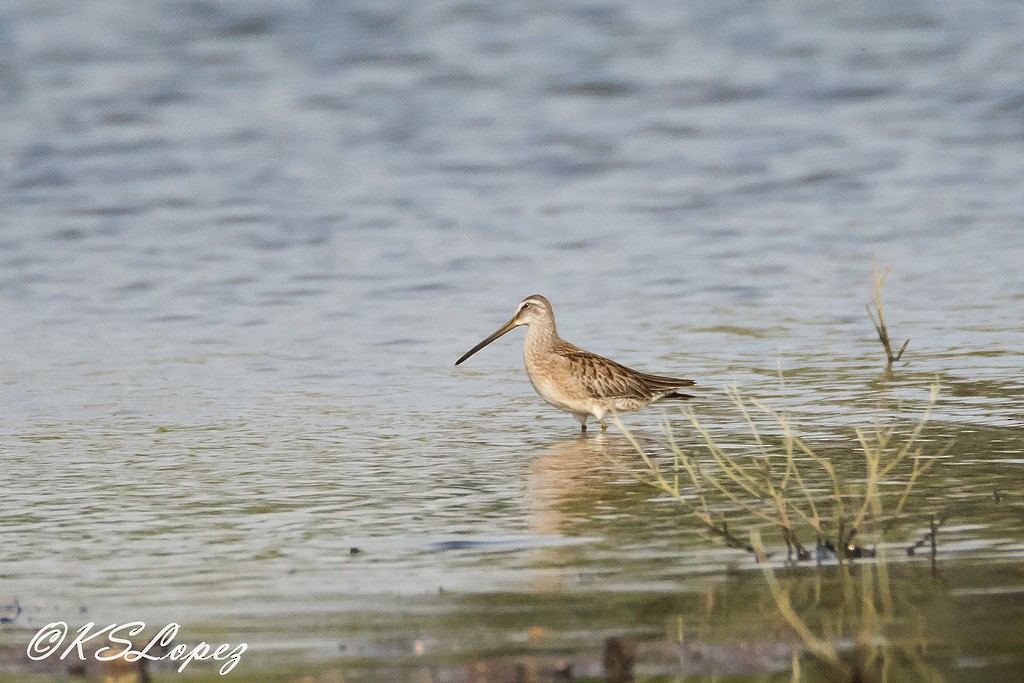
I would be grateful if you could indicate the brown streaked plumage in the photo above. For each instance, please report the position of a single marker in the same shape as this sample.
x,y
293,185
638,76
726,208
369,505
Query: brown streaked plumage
x,y
577,381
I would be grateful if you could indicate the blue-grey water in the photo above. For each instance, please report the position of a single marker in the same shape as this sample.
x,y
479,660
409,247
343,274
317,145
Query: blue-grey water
x,y
242,244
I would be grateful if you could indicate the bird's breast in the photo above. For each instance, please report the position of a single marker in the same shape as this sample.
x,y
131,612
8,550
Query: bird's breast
x,y
553,384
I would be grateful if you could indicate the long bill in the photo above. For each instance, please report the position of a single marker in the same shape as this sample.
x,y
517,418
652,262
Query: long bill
x,y
501,331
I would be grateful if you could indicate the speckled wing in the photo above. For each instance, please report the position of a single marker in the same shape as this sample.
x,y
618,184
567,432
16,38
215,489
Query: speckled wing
x,y
604,378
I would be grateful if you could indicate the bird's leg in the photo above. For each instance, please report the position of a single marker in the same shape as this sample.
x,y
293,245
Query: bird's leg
x,y
604,425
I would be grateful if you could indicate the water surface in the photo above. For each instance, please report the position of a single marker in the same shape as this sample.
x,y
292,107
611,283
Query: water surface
x,y
241,245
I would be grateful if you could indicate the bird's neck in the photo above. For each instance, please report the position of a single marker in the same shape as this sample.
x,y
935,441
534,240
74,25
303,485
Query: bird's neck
x,y
540,338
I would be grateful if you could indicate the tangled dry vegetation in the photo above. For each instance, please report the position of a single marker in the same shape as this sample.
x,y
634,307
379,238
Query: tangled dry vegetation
x,y
785,484
788,485
782,484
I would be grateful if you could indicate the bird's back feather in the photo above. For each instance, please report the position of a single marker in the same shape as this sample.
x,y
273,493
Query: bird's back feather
x,y
602,377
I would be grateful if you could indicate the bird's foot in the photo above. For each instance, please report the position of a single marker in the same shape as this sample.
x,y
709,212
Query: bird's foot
x,y
604,425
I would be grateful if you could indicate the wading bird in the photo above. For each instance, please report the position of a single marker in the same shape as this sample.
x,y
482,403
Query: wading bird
x,y
577,381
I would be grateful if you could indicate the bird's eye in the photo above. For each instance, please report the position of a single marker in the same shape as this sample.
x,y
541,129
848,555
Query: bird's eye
x,y
525,306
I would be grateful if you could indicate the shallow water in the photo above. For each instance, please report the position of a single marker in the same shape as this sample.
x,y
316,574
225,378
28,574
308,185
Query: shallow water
x,y
242,244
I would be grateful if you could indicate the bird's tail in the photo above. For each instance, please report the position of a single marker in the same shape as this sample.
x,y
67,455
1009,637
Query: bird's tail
x,y
678,396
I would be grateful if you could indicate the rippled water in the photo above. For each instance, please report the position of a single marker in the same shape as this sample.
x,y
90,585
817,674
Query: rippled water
x,y
241,245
